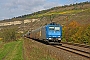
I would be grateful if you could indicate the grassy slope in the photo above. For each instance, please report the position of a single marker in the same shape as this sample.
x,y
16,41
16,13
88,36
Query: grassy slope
x,y
11,51
59,11
64,17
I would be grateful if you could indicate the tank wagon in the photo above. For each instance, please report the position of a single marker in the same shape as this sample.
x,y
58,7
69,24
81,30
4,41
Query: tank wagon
x,y
50,33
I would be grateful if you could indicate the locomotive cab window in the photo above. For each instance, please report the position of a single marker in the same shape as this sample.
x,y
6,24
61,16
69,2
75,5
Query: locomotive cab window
x,y
57,28
51,28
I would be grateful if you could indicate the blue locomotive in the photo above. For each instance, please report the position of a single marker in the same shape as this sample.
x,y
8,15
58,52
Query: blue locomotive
x,y
50,33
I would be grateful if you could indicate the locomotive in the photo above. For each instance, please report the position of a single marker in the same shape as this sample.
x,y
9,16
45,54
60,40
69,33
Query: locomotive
x,y
50,33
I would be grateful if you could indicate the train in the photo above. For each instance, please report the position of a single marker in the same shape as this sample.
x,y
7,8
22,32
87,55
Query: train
x,y
50,33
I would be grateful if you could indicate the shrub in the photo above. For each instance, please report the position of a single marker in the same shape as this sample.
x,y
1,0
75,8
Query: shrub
x,y
9,34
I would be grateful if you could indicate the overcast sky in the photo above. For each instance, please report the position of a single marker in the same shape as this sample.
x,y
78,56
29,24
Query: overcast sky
x,y
14,8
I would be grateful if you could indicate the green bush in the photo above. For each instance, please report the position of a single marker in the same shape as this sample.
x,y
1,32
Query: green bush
x,y
9,34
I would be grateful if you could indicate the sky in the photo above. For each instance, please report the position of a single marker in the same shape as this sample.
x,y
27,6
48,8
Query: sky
x,y
15,8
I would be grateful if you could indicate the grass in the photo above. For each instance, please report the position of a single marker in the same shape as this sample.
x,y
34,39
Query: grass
x,y
12,51
0,42
6,49
18,53
37,54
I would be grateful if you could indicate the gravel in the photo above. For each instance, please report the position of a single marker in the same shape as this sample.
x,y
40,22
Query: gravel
x,y
59,53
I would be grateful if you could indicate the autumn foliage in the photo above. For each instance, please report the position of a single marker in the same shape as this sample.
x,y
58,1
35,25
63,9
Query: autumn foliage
x,y
76,33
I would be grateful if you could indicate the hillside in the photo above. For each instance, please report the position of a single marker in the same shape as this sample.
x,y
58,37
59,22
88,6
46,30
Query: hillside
x,y
75,19
79,11
63,15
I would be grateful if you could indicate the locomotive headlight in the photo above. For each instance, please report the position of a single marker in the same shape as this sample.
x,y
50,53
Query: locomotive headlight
x,y
59,38
50,38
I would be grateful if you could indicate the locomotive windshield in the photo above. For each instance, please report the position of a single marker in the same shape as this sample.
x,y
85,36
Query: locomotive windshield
x,y
57,28
54,28
51,28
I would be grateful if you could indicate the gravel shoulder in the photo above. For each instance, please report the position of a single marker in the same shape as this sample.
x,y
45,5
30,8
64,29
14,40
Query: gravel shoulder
x,y
37,51
47,52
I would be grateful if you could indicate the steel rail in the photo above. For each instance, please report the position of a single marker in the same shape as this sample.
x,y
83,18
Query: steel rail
x,y
73,50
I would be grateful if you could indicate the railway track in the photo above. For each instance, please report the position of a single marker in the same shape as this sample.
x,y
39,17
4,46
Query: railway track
x,y
76,49
82,50
77,44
